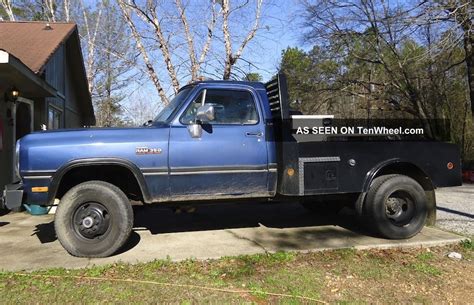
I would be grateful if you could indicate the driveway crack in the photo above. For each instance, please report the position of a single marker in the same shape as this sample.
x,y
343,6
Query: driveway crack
x,y
247,239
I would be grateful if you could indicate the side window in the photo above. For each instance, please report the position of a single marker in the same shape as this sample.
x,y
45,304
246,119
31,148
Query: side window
x,y
190,114
54,118
230,106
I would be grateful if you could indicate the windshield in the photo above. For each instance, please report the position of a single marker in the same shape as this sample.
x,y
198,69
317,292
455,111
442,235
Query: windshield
x,y
166,113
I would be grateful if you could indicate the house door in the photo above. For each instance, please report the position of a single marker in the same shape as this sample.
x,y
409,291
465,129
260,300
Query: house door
x,y
23,118
23,123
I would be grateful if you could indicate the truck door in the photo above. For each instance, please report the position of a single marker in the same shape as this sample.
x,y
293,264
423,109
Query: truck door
x,y
230,158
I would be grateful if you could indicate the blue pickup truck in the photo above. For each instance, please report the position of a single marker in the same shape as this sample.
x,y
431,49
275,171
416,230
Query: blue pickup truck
x,y
222,140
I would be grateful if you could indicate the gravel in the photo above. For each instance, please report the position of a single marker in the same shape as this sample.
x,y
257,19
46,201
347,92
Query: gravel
x,y
456,209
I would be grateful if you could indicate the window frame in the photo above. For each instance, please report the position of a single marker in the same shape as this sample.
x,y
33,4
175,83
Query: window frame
x,y
58,110
201,90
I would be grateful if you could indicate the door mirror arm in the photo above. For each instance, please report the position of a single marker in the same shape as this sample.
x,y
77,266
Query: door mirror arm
x,y
195,130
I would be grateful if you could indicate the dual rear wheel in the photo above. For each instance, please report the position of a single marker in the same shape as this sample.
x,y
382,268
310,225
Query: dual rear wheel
x,y
395,206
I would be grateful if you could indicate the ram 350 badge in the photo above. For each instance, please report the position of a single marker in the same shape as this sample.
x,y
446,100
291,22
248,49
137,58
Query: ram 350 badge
x,y
148,151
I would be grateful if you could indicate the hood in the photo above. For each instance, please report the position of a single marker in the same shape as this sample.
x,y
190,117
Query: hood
x,y
87,135
52,149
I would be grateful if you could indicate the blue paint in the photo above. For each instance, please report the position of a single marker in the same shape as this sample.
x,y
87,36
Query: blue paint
x,y
227,161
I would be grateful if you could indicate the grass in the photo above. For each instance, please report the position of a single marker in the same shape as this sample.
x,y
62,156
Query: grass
x,y
340,276
468,244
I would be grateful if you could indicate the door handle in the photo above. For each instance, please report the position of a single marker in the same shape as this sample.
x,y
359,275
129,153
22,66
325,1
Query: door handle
x,y
257,134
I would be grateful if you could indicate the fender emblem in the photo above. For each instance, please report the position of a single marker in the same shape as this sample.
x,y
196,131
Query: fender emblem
x,y
148,151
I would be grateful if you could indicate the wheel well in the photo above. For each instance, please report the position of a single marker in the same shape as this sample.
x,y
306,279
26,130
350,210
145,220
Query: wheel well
x,y
117,175
412,171
409,170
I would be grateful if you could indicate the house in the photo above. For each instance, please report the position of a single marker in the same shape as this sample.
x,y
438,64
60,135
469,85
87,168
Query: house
x,y
43,83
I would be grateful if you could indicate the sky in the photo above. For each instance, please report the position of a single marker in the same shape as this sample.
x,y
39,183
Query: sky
x,y
281,28
285,31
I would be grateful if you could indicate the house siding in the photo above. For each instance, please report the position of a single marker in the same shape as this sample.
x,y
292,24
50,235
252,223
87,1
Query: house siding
x,y
58,74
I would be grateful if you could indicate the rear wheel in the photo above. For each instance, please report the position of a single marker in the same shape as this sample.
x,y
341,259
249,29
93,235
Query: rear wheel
x,y
396,206
93,219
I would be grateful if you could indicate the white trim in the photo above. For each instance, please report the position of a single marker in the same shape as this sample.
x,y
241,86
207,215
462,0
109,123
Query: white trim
x,y
155,174
4,57
315,116
32,119
230,171
37,177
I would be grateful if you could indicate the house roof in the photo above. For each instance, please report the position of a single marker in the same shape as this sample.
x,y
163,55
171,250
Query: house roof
x,y
14,73
33,42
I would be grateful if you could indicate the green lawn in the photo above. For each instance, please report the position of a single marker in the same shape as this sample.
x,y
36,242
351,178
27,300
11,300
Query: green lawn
x,y
342,276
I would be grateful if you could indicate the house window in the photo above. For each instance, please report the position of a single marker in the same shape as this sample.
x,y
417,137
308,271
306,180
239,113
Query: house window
x,y
54,118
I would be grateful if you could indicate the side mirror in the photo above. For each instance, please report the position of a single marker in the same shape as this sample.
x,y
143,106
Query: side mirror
x,y
195,130
205,113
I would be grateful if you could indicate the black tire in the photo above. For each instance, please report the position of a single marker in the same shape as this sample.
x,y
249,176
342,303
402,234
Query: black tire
x,y
93,219
396,206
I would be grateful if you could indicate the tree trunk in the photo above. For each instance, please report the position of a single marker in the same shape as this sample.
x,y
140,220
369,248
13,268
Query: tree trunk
x,y
469,49
141,48
7,6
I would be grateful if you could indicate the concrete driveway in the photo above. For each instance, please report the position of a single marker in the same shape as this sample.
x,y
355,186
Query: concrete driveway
x,y
29,242
456,209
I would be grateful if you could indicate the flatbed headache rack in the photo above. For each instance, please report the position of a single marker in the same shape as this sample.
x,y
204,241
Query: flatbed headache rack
x,y
286,145
277,92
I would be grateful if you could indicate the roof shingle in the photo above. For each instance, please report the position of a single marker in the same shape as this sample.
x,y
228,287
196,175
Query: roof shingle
x,y
33,42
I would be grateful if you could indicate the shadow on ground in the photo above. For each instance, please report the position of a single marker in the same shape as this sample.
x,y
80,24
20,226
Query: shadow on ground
x,y
4,212
301,226
159,219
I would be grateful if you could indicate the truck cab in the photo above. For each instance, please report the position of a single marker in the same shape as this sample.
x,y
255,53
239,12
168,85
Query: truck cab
x,y
230,154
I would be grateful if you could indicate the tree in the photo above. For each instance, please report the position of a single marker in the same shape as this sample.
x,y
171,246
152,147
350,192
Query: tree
x,y
150,15
393,59
112,65
181,36
6,10
252,77
231,57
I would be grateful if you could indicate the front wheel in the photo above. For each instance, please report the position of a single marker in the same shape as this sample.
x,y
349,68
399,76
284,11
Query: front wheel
x,y
93,219
396,206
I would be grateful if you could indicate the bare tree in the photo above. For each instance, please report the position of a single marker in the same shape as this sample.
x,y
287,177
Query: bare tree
x,y
50,6
140,110
382,31
196,63
7,6
462,11
455,18
141,48
150,16
231,57
92,23
67,10
171,29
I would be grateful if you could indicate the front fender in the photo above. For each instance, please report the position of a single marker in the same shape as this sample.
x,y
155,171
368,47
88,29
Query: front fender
x,y
58,176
